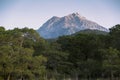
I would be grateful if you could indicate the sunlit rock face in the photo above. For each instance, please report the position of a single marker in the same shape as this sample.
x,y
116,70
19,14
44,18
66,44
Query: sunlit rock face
x,y
67,25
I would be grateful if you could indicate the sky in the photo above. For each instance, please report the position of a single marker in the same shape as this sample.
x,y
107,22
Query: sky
x,y
33,13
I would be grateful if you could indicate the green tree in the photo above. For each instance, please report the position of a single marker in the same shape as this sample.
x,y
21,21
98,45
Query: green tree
x,y
115,36
111,61
16,50
2,29
83,51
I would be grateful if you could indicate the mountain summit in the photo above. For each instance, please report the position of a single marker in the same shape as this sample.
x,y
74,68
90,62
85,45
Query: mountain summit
x,y
67,25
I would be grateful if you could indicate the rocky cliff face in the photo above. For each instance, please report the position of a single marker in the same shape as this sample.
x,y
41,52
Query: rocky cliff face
x,y
67,25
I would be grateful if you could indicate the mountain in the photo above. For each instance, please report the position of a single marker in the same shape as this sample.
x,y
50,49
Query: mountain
x,y
67,25
89,31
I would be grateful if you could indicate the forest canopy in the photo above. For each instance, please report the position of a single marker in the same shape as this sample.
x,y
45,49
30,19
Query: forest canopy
x,y
24,55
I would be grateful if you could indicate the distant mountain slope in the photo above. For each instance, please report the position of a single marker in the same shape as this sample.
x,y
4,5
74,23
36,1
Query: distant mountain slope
x,y
89,31
67,25
86,31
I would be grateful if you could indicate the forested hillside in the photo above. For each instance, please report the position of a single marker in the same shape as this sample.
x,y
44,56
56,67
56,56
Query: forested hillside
x,y
24,55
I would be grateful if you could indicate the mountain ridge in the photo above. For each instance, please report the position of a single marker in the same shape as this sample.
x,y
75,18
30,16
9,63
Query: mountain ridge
x,y
67,25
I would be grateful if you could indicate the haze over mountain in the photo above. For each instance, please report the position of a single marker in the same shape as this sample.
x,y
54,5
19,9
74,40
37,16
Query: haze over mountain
x,y
67,25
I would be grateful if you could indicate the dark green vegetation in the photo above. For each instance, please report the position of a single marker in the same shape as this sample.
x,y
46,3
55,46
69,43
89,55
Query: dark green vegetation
x,y
26,56
88,31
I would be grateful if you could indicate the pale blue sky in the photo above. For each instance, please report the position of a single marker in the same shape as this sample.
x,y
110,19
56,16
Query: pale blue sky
x,y
33,13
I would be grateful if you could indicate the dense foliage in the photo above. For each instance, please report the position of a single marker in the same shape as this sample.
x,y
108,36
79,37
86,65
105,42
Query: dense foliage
x,y
24,55
17,48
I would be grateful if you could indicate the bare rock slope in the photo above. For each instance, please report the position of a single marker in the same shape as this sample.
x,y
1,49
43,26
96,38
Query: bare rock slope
x,y
67,25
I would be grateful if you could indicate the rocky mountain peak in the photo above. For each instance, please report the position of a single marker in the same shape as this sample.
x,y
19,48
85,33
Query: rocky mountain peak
x,y
67,25
73,15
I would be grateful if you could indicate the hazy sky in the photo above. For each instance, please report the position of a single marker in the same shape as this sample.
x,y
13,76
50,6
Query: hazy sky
x,y
33,13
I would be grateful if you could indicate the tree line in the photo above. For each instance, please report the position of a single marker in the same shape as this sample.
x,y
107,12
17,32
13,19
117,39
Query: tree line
x,y
24,55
